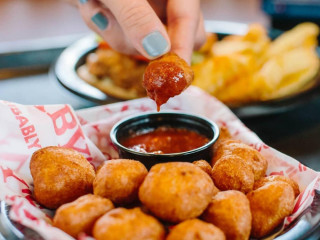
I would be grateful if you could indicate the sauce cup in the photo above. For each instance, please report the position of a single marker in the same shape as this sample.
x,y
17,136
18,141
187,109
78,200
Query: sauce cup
x,y
150,121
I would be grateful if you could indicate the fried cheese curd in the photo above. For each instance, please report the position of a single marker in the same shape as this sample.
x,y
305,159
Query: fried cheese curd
x,y
128,224
204,165
276,178
176,191
224,135
195,229
270,204
233,147
60,175
119,180
80,215
232,172
166,77
230,211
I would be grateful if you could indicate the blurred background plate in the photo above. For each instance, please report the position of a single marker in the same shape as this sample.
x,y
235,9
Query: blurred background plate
x,y
65,70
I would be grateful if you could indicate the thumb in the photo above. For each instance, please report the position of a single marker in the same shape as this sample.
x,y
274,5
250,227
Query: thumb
x,y
141,26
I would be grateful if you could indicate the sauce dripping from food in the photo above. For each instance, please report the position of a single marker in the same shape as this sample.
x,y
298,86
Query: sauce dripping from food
x,y
166,77
165,140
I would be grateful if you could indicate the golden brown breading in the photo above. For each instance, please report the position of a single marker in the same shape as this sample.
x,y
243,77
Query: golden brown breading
x,y
220,149
80,215
275,178
204,165
233,173
119,180
233,147
270,204
166,77
224,135
60,175
176,191
195,229
128,224
230,211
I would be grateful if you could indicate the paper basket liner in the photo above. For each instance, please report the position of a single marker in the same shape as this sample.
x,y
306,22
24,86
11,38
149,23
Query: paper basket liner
x,y
25,129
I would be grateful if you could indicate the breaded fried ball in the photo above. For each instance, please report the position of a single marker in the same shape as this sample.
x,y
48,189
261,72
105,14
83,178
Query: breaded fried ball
x,y
128,224
233,147
119,180
80,215
270,204
220,150
275,178
233,173
224,135
176,191
204,165
230,211
60,175
195,229
166,77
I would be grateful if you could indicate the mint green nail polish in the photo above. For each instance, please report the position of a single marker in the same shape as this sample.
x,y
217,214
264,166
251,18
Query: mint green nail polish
x,y
155,44
83,1
100,21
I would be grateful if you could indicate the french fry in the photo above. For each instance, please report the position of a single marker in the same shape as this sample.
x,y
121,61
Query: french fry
x,y
251,68
303,35
284,75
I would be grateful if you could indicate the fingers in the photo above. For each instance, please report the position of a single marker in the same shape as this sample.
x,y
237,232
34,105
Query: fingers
x,y
182,22
132,25
200,38
102,21
160,8
141,26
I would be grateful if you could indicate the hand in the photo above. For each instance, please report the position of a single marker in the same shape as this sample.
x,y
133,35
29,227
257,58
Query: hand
x,y
134,26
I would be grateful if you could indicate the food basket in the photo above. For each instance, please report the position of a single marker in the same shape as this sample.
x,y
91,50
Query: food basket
x,y
24,129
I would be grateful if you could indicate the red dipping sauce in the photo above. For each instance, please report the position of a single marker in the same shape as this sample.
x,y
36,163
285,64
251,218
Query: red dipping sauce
x,y
165,140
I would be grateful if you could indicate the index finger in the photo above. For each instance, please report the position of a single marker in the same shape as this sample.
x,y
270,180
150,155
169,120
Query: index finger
x,y
183,17
141,25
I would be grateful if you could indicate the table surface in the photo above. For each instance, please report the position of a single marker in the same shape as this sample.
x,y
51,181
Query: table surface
x,y
295,133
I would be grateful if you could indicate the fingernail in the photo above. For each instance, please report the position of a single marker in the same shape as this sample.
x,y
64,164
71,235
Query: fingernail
x,y
100,21
155,44
83,1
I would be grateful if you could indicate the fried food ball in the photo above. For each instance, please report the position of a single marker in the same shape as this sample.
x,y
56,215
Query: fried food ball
x,y
224,135
195,229
230,211
176,191
119,180
204,165
233,147
166,77
270,204
275,178
60,175
80,215
233,173
220,150
128,224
